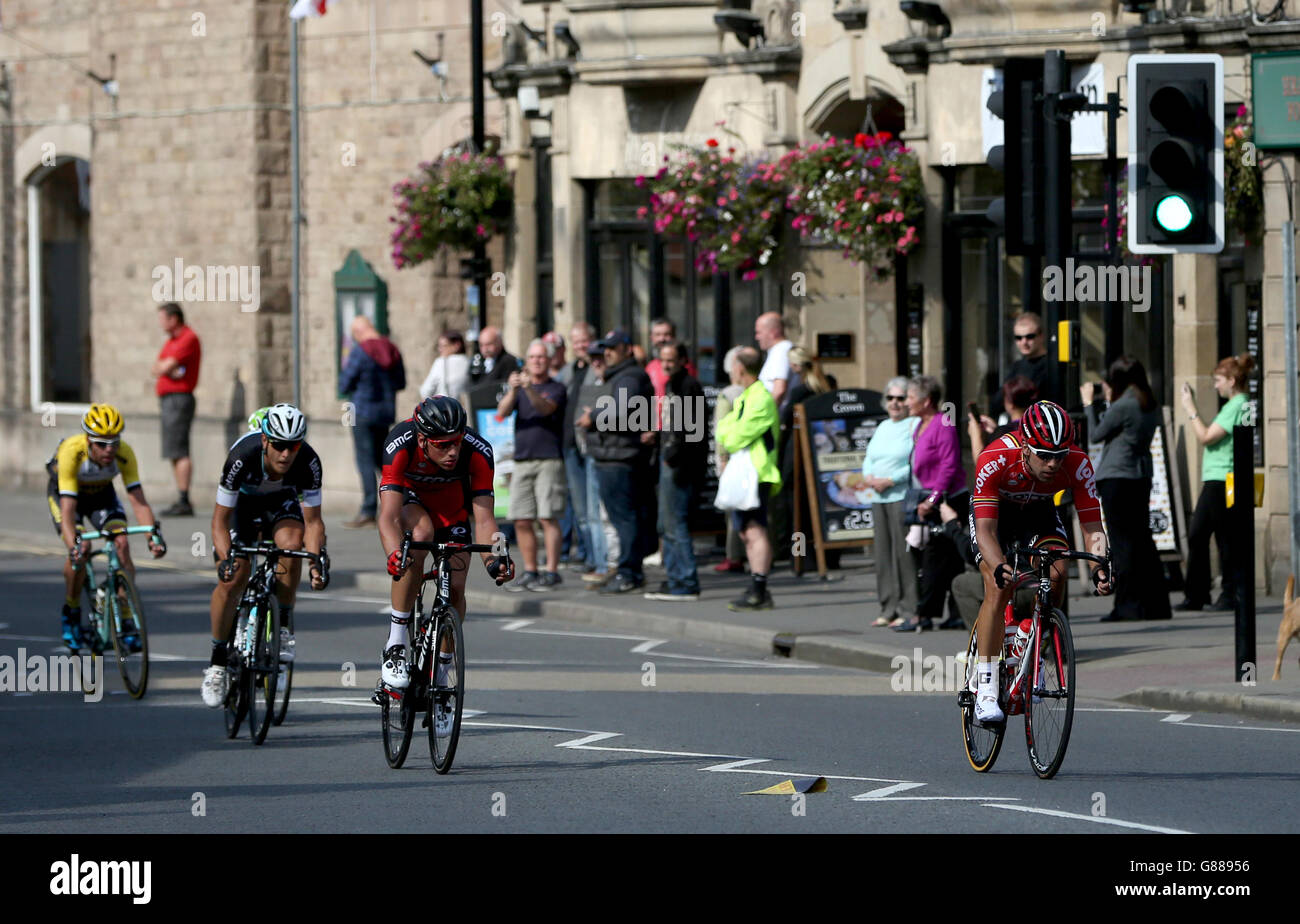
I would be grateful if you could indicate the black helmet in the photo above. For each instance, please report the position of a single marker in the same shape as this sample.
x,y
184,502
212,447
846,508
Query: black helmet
x,y
439,416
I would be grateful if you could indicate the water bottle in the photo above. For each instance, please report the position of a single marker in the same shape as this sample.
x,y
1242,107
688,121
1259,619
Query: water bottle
x,y
99,599
1021,640
239,633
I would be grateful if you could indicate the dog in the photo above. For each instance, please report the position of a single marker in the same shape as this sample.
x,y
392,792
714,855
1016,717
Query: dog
x,y
1290,627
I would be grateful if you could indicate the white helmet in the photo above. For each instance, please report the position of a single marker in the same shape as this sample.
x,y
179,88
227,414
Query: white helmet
x,y
284,422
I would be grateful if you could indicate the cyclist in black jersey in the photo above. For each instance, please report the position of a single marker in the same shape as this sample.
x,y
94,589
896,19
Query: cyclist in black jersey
x,y
265,475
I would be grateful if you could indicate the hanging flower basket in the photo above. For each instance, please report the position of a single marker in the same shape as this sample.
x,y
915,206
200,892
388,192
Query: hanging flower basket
x,y
733,210
864,195
1243,200
457,201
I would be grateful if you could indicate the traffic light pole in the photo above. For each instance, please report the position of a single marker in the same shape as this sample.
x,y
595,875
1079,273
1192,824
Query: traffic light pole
x,y
1057,209
481,269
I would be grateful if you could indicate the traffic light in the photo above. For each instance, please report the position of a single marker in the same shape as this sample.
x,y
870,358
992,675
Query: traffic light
x,y
1175,153
1019,105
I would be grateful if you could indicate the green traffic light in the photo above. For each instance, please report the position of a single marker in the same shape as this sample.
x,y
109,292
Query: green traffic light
x,y
1173,213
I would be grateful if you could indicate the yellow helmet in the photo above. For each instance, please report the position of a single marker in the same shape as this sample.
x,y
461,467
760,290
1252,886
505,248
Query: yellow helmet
x,y
102,420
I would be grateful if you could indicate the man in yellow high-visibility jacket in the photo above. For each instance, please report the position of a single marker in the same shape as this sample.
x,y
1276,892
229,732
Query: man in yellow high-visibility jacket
x,y
753,424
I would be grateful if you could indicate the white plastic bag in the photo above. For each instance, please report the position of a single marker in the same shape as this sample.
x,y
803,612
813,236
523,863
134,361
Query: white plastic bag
x,y
738,486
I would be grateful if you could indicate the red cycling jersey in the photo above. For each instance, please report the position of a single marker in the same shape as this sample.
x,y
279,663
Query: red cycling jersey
x,y
445,493
1001,476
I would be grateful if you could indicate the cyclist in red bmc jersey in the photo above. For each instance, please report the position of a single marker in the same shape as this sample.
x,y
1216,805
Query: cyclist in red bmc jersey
x,y
1016,480
437,474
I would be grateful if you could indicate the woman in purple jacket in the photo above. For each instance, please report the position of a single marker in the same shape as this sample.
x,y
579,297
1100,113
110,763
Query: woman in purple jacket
x,y
936,469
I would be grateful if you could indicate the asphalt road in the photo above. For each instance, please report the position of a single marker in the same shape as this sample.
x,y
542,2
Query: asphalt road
x,y
581,730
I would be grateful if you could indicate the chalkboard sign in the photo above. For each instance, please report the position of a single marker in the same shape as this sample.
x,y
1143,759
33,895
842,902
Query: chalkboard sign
x,y
832,431
834,346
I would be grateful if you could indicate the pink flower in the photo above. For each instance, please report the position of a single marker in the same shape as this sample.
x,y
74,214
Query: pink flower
x,y
640,181
751,274
735,237
481,231
1242,111
642,212
875,162
765,214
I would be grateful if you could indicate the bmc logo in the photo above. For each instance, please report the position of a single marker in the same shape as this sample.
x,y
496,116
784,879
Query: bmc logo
x,y
399,442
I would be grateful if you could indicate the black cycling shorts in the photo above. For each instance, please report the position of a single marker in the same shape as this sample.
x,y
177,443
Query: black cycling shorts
x,y
100,507
1031,525
256,515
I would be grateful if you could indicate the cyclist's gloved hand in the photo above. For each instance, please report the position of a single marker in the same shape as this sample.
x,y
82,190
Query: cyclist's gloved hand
x,y
156,545
501,569
1101,579
395,564
320,573
1002,575
226,570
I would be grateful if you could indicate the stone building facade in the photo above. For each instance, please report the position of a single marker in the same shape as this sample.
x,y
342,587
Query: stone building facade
x,y
190,162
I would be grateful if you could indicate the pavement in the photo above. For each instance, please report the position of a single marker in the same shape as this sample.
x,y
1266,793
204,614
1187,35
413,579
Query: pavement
x,y
1184,664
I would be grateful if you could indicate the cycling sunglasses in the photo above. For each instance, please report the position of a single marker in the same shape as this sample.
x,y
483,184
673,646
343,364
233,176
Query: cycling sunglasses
x,y
444,444
285,445
1049,455
107,444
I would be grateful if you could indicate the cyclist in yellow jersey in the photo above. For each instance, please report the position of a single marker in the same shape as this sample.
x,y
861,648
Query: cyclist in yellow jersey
x,y
81,487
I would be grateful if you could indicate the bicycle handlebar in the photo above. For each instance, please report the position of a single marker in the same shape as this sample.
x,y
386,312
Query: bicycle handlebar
x,y
110,534
409,544
1051,554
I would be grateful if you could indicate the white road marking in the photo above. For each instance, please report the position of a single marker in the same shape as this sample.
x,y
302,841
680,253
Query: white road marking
x,y
1176,717
1101,820
517,624
30,638
741,662
1237,727
1115,709
886,791
579,742
647,645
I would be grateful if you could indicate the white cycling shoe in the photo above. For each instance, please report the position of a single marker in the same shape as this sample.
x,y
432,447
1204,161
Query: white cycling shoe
x,y
287,644
987,710
395,671
214,686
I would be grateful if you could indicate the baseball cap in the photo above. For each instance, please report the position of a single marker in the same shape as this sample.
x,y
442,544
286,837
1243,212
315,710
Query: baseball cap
x,y
595,349
614,338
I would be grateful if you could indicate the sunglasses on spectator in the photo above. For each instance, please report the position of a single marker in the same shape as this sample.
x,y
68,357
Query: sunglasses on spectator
x,y
1026,336
895,397
285,445
1049,455
444,444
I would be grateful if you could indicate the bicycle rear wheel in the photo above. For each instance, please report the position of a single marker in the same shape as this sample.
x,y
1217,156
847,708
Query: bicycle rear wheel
x,y
983,742
1049,712
399,710
447,699
285,683
125,604
265,668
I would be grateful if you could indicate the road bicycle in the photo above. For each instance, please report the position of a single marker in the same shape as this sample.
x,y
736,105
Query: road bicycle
x,y
1036,680
430,632
253,668
114,613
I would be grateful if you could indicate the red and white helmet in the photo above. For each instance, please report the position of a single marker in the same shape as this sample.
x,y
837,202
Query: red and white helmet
x,y
1046,426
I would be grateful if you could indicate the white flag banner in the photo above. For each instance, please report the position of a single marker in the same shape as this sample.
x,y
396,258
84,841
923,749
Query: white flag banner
x,y
305,8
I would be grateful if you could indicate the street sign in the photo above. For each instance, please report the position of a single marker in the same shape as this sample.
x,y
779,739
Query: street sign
x,y
1275,99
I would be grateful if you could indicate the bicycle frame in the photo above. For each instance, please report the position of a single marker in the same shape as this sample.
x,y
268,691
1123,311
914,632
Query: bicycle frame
x,y
113,563
1042,575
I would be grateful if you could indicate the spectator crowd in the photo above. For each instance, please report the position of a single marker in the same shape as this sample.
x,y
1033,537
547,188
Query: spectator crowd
x,y
611,454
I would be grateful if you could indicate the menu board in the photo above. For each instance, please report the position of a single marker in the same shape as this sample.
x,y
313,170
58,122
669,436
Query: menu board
x,y
840,424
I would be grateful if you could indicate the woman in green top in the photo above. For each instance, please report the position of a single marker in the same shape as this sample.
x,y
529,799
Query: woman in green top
x,y
1211,516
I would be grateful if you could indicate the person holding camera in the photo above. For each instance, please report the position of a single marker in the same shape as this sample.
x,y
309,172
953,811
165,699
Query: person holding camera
x,y
937,476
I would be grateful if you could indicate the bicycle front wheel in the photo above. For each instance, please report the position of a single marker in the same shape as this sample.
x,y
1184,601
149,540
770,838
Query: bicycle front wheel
x,y
237,692
126,626
1049,711
285,683
983,742
265,669
446,699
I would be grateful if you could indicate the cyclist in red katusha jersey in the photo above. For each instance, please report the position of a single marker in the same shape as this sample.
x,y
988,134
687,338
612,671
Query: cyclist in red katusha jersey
x,y
1016,480
437,474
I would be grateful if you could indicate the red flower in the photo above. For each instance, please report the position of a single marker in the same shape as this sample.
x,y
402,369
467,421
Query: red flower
x,y
882,137
712,142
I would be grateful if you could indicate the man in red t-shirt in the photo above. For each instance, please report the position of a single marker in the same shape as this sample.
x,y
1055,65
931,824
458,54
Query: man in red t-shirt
x,y
177,369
